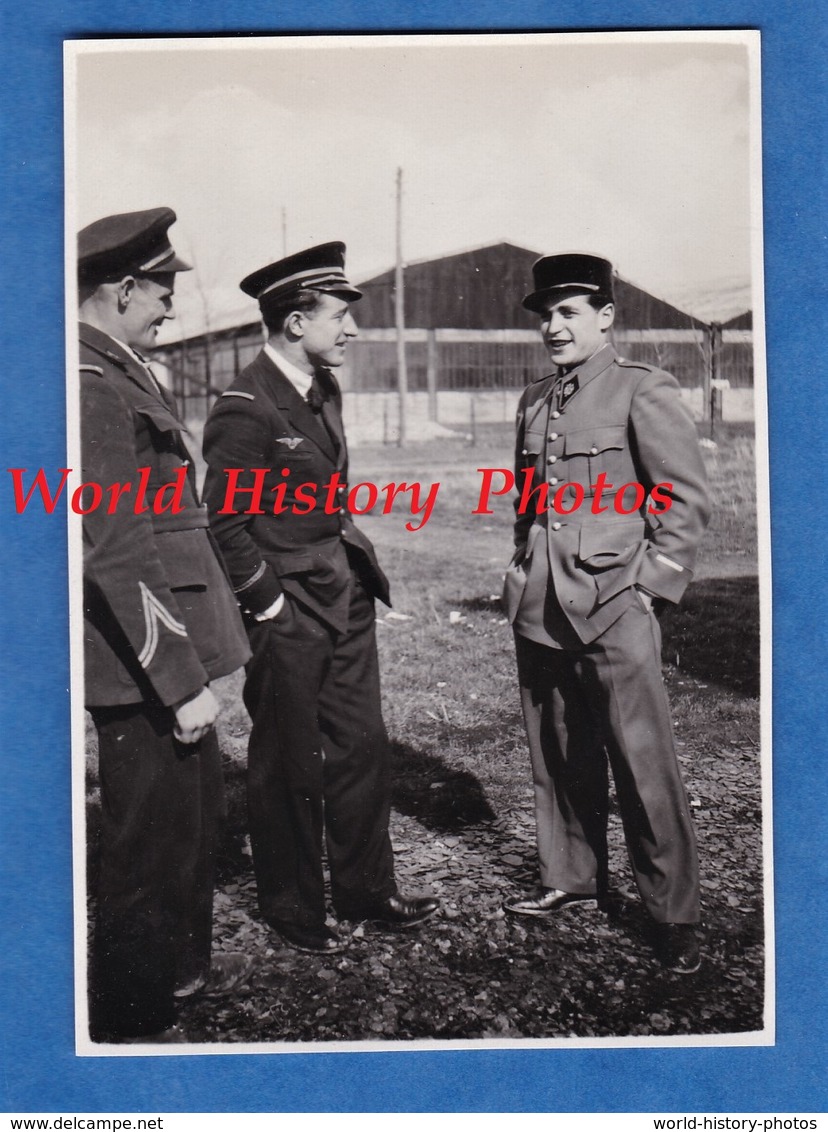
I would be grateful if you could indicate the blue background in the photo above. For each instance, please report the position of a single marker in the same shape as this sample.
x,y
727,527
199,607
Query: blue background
x,y
36,1020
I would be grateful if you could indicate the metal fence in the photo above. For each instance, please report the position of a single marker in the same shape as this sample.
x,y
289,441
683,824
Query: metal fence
x,y
448,361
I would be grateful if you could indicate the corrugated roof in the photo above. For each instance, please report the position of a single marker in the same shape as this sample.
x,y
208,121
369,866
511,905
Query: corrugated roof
x,y
475,296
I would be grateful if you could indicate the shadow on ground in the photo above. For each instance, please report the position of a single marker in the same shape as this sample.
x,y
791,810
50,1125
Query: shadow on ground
x,y
715,633
439,796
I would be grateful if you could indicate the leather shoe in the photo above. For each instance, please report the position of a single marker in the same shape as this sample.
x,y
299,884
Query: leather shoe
x,y
228,971
319,941
547,901
403,911
678,948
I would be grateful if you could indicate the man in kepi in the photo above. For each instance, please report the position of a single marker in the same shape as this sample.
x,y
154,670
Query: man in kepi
x,y
306,580
600,433
160,622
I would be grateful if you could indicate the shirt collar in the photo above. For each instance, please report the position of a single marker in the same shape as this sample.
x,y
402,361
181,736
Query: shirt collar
x,y
142,361
300,380
593,365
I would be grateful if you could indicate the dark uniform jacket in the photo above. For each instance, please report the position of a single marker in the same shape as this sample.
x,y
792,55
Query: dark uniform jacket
x,y
160,619
262,422
624,419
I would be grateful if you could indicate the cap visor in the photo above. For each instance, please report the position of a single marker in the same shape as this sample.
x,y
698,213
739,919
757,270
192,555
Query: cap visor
x,y
174,264
536,300
342,291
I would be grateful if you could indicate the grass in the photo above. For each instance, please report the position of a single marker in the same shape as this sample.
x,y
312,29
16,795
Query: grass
x,y
456,680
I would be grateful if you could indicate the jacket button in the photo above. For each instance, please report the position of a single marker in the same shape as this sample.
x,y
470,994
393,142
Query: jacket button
x,y
553,436
593,451
556,526
524,452
553,480
554,414
552,459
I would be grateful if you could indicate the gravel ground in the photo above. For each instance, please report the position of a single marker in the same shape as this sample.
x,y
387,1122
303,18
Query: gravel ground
x,y
472,973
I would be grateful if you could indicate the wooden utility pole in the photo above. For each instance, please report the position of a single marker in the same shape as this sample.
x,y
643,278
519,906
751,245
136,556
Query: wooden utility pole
x,y
717,384
431,373
399,312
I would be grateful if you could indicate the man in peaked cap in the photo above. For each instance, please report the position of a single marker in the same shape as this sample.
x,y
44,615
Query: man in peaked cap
x,y
160,622
318,753
610,445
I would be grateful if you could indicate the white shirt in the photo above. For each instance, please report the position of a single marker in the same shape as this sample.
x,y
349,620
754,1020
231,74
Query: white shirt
x,y
300,380
142,361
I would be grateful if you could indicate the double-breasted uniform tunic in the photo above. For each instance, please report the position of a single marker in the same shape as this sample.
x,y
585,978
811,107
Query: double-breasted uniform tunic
x,y
160,621
318,761
628,502
160,618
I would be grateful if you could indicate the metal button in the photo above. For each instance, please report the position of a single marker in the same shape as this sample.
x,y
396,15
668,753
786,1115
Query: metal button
x,y
553,436
593,451
525,452
554,414
553,480
552,459
556,526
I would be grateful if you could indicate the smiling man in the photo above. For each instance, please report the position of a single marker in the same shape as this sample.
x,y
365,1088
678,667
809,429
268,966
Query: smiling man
x,y
580,594
160,622
318,756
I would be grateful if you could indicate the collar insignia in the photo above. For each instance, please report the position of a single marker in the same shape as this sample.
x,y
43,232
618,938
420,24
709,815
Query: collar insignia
x,y
568,389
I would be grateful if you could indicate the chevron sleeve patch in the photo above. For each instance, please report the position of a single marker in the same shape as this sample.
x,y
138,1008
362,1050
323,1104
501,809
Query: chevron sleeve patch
x,y
154,612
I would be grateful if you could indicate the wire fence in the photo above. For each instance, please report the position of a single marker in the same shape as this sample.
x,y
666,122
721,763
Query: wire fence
x,y
714,368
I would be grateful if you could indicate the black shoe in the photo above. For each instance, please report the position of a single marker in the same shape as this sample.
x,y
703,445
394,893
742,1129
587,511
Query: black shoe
x,y
545,902
320,941
403,911
229,970
678,948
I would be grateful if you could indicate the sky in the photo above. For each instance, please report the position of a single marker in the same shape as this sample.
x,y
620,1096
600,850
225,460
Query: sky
x,y
637,148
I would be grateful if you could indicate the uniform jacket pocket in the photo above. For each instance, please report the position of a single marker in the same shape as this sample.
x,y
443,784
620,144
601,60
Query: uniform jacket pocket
x,y
183,555
590,451
612,554
161,417
292,563
604,545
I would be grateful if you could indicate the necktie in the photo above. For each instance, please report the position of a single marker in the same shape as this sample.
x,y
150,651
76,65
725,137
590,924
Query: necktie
x,y
147,364
319,391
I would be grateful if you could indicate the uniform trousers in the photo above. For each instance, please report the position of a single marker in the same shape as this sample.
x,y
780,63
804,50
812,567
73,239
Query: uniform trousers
x,y
318,765
588,706
161,806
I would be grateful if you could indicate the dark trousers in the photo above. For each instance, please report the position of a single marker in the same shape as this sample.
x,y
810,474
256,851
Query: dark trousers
x,y
584,707
318,765
161,804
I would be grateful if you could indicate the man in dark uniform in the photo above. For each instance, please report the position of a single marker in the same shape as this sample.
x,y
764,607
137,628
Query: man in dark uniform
x,y
160,621
307,580
610,445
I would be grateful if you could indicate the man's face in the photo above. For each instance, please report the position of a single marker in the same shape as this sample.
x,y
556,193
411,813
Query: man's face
x,y
573,330
149,305
326,331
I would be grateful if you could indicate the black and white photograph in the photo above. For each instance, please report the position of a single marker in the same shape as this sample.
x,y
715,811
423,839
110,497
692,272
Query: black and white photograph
x,y
419,542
